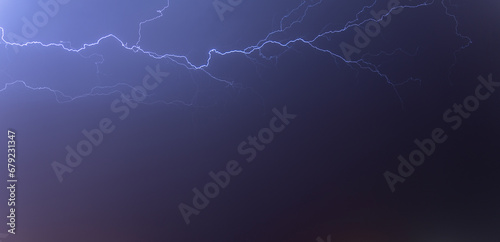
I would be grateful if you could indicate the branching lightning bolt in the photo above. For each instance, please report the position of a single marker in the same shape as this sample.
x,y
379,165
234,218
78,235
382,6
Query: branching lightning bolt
x,y
295,17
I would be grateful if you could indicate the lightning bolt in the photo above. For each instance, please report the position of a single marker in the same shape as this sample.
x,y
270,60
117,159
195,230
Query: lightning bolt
x,y
465,45
294,17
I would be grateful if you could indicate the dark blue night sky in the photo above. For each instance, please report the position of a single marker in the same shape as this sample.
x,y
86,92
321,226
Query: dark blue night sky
x,y
243,121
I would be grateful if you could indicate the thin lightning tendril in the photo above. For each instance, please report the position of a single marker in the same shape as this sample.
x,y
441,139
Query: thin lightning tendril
x,y
301,12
